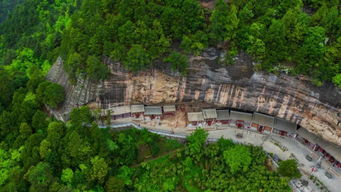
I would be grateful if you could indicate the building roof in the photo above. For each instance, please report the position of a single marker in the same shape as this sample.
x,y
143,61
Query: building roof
x,y
307,135
236,115
137,108
284,125
153,110
169,108
209,113
223,115
331,148
120,110
262,119
195,116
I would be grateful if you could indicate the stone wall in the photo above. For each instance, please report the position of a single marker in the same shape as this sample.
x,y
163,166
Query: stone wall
x,y
317,109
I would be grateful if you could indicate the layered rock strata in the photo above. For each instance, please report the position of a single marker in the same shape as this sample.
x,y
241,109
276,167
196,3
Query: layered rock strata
x,y
238,86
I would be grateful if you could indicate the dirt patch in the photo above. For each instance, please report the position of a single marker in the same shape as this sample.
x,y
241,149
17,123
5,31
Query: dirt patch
x,y
269,165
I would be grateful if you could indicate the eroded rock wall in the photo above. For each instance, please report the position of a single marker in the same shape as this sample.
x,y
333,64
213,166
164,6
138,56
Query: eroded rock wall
x,y
82,92
317,109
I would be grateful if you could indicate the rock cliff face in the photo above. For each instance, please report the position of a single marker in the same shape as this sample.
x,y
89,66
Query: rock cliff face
x,y
317,109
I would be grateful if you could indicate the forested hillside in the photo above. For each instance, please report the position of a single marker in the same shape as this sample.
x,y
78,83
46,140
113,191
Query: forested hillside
x,y
38,153
6,7
299,37
47,155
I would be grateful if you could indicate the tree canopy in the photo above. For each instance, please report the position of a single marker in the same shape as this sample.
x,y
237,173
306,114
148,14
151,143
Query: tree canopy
x,y
289,169
51,94
298,37
238,158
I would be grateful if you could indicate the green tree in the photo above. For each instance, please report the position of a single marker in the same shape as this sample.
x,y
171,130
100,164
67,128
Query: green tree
x,y
36,76
25,130
125,173
178,62
288,168
256,48
275,42
40,177
80,116
7,121
232,23
96,69
67,176
246,14
73,64
45,148
295,26
39,121
238,158
194,43
55,132
219,22
51,94
5,166
312,51
54,95
126,33
24,61
337,80
137,58
77,149
99,169
6,88
114,184
195,143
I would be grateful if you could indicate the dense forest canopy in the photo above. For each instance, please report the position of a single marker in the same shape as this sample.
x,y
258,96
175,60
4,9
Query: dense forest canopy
x,y
43,154
299,37
6,7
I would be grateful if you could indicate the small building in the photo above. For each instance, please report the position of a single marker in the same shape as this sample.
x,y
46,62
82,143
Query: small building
x,y
210,115
120,112
195,118
330,151
137,110
240,119
284,128
223,116
307,138
262,123
153,112
169,110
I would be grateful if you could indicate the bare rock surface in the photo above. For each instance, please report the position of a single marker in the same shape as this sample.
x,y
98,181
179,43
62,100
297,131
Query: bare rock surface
x,y
238,86
80,93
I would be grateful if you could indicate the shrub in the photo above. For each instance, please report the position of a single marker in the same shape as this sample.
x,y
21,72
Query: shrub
x,y
288,168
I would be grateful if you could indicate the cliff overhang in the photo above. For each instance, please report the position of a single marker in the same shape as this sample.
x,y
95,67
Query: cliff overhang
x,y
238,86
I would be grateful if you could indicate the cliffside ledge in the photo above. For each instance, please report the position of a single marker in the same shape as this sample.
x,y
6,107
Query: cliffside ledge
x,y
238,86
